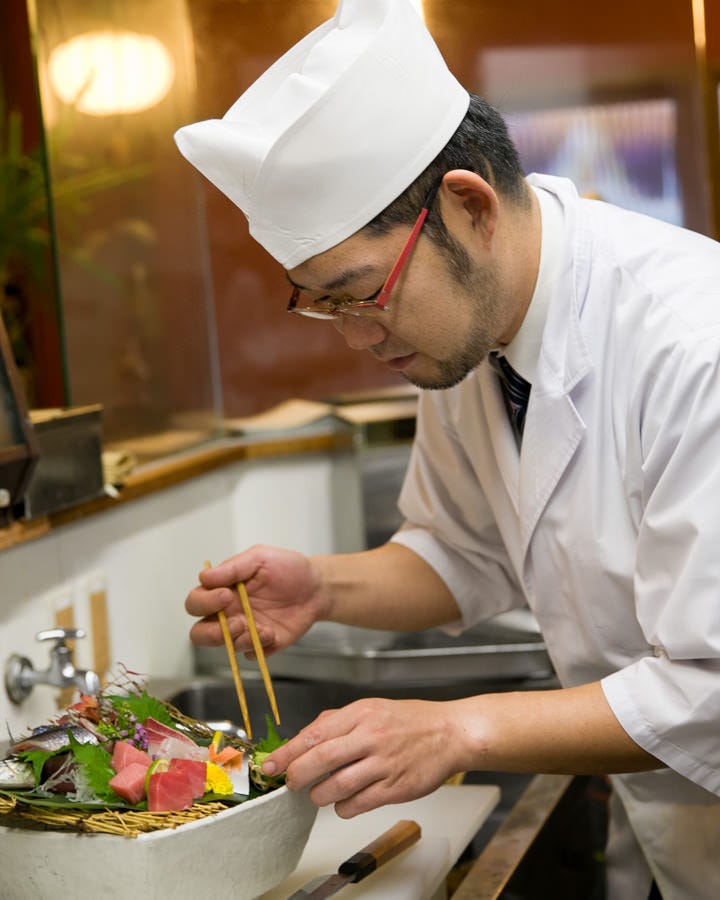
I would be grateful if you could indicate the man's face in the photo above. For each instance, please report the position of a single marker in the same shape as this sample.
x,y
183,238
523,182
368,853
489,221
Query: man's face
x,y
446,312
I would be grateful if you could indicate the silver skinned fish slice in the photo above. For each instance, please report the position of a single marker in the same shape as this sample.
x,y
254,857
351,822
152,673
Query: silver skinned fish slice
x,y
52,738
16,774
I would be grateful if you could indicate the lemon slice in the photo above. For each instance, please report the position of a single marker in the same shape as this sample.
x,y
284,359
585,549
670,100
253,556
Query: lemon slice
x,y
157,765
217,744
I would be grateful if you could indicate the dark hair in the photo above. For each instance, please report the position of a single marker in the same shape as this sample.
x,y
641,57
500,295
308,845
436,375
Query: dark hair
x,y
481,144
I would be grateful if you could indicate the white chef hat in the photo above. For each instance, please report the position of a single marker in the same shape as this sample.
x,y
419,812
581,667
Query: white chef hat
x,y
334,131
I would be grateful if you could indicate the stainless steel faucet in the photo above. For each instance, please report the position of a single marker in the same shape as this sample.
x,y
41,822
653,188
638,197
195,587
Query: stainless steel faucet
x,y
21,676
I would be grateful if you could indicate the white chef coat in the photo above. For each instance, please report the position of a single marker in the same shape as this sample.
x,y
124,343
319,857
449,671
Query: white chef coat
x,y
607,523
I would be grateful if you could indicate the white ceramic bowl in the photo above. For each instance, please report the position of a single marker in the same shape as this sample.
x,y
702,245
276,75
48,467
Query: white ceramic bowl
x,y
237,854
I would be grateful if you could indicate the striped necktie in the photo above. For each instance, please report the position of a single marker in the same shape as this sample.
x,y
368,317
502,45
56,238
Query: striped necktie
x,y
516,392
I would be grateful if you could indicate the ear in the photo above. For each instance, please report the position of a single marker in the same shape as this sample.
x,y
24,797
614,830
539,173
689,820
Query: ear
x,y
469,200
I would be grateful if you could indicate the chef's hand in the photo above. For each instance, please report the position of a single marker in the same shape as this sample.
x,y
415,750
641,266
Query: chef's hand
x,y
283,591
371,753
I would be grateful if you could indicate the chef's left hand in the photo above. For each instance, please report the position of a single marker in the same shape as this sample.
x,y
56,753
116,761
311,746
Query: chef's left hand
x,y
371,753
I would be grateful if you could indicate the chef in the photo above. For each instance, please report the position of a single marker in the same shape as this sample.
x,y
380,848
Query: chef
x,y
567,454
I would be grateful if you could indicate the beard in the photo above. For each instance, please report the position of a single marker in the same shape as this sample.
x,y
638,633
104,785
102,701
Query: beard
x,y
481,285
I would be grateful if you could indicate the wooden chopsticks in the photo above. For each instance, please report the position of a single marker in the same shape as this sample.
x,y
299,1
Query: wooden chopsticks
x,y
258,648
259,652
230,648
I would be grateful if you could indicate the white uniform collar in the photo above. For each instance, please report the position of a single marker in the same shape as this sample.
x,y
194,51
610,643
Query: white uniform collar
x,y
524,349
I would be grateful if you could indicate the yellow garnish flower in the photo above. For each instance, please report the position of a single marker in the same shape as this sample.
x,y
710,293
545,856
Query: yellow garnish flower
x,y
217,780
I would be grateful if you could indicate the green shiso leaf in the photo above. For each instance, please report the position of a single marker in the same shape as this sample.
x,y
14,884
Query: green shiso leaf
x,y
259,782
143,706
38,758
95,763
271,742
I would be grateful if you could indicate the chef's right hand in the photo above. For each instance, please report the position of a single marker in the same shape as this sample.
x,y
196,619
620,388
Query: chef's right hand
x,y
284,594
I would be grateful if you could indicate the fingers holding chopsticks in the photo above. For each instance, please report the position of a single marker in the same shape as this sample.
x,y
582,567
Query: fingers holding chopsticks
x,y
207,631
209,603
282,592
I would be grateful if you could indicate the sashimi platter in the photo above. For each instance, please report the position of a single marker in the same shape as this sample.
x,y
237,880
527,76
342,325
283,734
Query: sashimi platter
x,y
123,783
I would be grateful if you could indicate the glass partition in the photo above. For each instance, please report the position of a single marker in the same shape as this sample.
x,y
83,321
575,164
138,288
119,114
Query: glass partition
x,y
116,79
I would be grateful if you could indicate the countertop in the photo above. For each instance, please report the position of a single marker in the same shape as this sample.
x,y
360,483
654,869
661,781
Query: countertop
x,y
180,467
449,818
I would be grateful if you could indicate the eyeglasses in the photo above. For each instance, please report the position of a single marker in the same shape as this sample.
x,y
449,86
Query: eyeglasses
x,y
329,308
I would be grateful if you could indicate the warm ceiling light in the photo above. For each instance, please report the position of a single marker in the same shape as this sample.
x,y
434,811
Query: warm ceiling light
x,y
105,73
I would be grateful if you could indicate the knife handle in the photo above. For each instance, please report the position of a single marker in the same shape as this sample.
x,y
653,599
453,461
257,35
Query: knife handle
x,y
396,839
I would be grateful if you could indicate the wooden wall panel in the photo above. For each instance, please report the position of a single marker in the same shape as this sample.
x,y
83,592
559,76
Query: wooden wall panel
x,y
712,28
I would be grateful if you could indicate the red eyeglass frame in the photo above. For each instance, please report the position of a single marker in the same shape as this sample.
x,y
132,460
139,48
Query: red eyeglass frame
x,y
381,300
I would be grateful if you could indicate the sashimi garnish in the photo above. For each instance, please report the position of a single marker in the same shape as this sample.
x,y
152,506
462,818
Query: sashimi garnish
x,y
80,758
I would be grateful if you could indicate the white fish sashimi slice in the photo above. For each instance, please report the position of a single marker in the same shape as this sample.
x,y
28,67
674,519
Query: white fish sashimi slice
x,y
174,748
240,778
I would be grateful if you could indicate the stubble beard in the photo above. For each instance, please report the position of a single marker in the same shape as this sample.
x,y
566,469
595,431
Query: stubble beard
x,y
482,287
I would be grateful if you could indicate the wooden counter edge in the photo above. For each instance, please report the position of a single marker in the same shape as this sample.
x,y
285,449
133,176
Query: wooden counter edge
x,y
171,471
494,867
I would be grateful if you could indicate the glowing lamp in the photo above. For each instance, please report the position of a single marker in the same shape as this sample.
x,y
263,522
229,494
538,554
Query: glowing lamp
x,y
105,73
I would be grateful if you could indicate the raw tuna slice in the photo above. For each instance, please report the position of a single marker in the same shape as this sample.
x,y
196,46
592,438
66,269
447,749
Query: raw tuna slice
x,y
125,753
194,770
169,792
130,782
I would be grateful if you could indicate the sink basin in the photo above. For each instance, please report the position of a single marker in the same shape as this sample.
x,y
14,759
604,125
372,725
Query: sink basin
x,y
300,701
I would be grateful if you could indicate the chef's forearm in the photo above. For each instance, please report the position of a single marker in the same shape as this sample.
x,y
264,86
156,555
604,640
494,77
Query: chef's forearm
x,y
389,587
568,731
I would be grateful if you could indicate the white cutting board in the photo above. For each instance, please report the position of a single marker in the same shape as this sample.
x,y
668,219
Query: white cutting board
x,y
449,819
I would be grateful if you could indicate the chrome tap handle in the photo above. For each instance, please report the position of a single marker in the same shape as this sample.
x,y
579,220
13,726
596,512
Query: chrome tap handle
x,y
59,634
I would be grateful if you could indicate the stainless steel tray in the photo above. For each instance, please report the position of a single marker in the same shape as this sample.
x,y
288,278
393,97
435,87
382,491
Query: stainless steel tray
x,y
493,651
